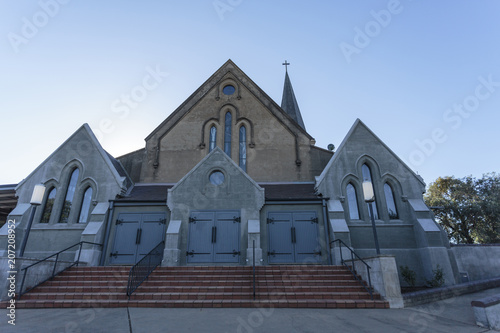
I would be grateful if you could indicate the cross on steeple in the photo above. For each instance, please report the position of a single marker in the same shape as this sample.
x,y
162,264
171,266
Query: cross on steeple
x,y
286,63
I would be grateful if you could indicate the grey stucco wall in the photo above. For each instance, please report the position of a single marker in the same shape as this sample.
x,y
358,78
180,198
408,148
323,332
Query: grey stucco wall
x,y
96,170
194,192
478,261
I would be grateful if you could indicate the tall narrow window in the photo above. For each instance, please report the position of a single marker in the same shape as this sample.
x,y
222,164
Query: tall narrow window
x,y
352,202
213,139
70,193
367,175
85,209
243,148
227,134
391,204
49,204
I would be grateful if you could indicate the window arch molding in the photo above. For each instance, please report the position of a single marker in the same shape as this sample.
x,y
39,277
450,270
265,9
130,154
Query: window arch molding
x,y
66,174
205,131
397,194
232,144
226,82
79,197
378,186
355,181
51,184
242,121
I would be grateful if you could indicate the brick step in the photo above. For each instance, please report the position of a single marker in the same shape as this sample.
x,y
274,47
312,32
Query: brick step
x,y
196,277
199,289
204,283
111,283
243,303
307,277
196,296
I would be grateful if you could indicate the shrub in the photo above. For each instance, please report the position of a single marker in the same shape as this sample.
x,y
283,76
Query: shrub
x,y
437,278
409,275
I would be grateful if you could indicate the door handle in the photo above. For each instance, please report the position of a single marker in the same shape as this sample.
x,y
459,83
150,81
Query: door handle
x,y
138,236
294,236
215,234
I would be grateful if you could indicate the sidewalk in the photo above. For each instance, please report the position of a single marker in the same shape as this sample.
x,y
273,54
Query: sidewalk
x,y
450,315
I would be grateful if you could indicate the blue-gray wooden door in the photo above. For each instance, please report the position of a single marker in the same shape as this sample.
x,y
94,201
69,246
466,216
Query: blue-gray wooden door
x,y
135,236
227,237
214,236
293,237
281,248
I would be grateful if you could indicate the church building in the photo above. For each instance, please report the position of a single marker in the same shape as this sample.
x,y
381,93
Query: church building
x,y
230,168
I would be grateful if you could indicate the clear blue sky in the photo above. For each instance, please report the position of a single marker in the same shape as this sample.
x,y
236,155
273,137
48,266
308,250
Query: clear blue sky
x,y
423,75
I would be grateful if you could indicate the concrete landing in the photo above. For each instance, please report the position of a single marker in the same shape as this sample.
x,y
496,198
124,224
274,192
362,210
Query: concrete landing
x,y
450,315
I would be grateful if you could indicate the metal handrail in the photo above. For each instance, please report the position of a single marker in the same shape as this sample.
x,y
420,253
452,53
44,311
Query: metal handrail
x,y
143,268
352,269
76,262
253,257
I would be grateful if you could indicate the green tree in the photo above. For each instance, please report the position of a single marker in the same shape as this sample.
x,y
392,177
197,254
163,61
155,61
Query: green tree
x,y
467,208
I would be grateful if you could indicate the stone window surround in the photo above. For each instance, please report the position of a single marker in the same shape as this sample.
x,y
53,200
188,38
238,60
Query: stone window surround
x,y
61,188
378,182
237,122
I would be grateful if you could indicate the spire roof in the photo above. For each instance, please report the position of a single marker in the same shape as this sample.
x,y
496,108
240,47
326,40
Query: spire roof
x,y
289,103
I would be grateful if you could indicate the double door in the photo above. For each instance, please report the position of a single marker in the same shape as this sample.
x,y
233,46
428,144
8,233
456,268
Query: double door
x,y
293,237
135,236
214,236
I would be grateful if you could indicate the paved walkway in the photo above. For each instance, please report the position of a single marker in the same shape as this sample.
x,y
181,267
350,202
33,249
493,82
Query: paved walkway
x,y
451,315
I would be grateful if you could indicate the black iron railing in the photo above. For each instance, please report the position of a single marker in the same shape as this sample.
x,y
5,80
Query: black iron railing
x,y
54,271
351,268
143,268
253,258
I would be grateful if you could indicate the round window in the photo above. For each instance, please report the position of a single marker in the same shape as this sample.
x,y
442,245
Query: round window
x,y
217,177
228,90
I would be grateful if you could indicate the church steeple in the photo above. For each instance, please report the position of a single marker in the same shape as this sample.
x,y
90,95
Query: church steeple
x,y
288,101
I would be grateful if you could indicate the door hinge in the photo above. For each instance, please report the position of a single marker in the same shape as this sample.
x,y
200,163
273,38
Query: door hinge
x,y
163,221
237,219
190,253
317,253
272,253
234,253
270,220
115,254
118,222
192,220
314,220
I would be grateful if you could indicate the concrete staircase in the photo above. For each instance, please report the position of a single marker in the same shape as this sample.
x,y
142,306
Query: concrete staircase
x,y
290,286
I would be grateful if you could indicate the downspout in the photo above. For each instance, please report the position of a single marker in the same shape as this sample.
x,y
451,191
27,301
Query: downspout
x,y
108,230
327,231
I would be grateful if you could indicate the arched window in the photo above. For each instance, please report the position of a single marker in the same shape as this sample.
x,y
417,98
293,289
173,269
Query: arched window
x,y
213,139
243,148
227,134
352,201
85,208
70,193
391,204
367,175
49,204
